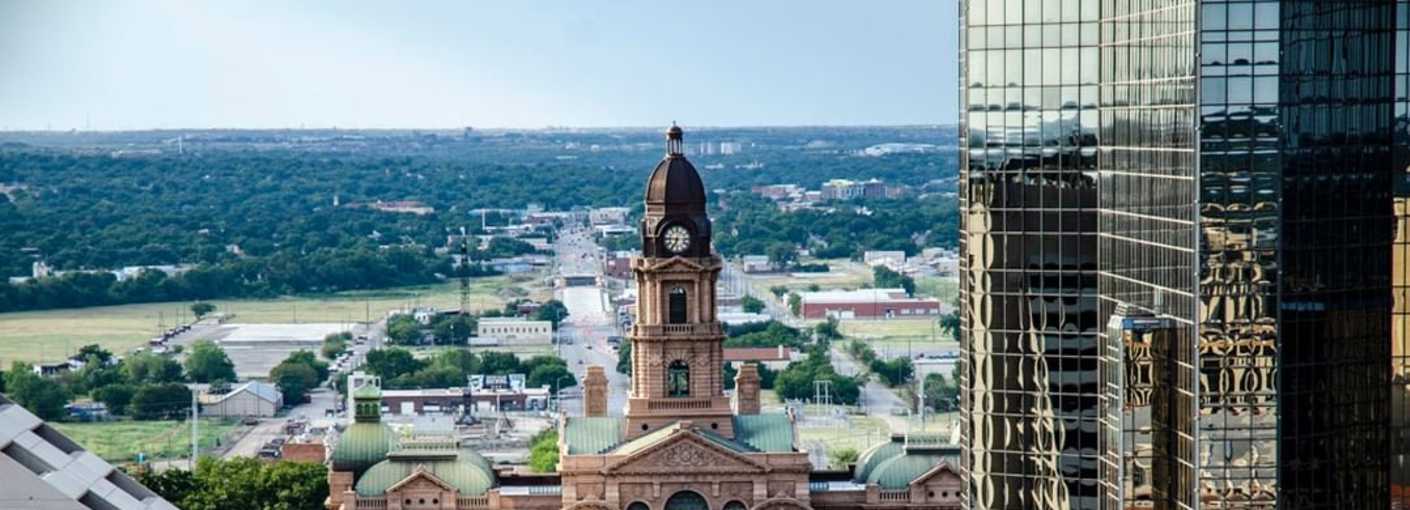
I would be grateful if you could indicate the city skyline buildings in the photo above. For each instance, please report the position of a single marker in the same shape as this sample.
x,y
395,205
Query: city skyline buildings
x,y
1177,236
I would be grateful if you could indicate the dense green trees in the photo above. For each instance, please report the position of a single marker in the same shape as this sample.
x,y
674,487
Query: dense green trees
x,y
894,372
263,222
543,451
42,397
751,304
449,368
150,368
552,310
795,382
319,271
624,358
161,401
241,483
200,309
751,225
403,329
207,362
335,344
884,278
298,375
765,334
941,394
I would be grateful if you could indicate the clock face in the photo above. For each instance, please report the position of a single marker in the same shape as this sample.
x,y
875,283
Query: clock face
x,y
677,239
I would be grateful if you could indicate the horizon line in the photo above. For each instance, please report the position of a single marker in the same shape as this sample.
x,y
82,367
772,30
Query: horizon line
x,y
460,129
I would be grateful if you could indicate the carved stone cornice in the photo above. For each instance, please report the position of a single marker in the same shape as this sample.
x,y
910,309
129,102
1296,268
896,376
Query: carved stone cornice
x,y
684,452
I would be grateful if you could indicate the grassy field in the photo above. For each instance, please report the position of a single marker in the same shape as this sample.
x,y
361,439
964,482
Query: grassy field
x,y
857,432
52,335
844,274
894,337
861,432
120,441
943,288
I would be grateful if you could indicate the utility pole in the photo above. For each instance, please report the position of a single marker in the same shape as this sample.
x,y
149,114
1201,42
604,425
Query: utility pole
x,y
195,419
922,404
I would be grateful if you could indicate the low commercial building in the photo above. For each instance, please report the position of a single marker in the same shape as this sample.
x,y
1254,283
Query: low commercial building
x,y
608,215
867,304
426,401
492,393
888,258
756,264
253,398
773,357
516,331
618,265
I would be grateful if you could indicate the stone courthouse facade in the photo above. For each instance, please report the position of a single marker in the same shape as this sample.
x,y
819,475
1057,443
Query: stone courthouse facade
x,y
681,444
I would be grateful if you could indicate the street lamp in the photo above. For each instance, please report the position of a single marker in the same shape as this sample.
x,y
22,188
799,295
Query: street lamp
x,y
558,392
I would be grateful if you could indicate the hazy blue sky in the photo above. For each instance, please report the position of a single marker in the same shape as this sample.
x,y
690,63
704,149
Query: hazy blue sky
x,y
504,63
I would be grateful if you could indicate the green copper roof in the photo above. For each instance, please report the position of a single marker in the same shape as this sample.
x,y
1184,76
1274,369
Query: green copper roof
x,y
644,441
362,445
874,456
592,434
771,432
898,472
367,391
463,474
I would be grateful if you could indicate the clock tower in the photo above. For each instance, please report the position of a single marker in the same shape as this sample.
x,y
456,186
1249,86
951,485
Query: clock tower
x,y
677,341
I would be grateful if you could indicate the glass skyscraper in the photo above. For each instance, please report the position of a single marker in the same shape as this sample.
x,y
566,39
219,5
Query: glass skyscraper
x,y
1178,243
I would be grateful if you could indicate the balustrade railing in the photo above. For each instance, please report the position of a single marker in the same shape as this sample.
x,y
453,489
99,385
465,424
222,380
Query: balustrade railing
x,y
896,495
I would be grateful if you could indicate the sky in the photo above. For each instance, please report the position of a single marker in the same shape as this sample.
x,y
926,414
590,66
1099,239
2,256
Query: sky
x,y
121,65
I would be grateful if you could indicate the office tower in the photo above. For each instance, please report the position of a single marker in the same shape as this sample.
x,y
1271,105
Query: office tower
x,y
1400,267
1210,181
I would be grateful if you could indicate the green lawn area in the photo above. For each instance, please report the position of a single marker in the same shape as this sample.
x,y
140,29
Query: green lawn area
x,y
53,335
844,274
859,433
895,336
120,441
943,288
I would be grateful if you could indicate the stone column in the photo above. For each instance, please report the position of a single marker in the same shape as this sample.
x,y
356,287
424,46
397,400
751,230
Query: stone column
x,y
595,392
746,390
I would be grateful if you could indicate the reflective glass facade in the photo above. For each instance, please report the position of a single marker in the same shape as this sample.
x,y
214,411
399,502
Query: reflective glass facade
x,y
1241,193
1400,269
1029,88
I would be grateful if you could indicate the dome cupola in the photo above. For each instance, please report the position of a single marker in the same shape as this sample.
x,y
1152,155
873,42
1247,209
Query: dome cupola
x,y
675,223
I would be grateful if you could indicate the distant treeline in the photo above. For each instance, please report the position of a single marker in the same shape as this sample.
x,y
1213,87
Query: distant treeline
x,y
254,277
271,221
749,225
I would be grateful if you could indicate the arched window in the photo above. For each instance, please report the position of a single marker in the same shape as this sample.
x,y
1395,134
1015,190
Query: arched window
x,y
735,505
687,500
678,379
638,506
677,306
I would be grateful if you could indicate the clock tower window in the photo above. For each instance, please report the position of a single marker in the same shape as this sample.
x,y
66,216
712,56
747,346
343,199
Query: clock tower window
x,y
678,379
677,305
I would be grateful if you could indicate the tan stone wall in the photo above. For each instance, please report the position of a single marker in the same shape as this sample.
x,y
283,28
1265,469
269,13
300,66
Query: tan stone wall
x,y
338,482
314,453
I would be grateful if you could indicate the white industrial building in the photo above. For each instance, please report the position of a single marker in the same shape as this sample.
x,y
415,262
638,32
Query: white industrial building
x,y
253,398
516,331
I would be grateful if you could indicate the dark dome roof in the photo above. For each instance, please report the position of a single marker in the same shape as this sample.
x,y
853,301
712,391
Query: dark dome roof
x,y
675,183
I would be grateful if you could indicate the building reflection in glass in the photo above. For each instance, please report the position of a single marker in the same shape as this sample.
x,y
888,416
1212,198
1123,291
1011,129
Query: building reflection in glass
x,y
1223,168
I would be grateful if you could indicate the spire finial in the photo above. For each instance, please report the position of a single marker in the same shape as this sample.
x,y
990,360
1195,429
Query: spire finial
x,y
675,140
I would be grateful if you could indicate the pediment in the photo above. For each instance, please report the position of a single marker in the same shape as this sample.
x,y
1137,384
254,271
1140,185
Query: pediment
x,y
685,451
676,264
419,480
940,471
